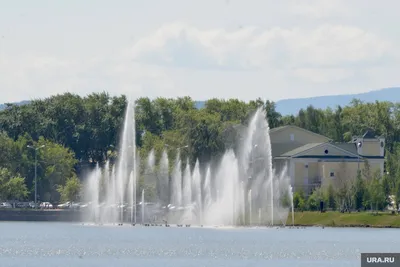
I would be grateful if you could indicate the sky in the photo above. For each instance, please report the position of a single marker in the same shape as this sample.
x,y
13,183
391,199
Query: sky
x,y
200,48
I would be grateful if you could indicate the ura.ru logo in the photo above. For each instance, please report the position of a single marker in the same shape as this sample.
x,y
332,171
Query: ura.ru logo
x,y
380,259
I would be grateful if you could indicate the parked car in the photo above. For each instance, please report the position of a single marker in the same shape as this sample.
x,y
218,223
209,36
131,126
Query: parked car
x,y
85,205
5,205
65,205
46,205
22,205
75,206
32,205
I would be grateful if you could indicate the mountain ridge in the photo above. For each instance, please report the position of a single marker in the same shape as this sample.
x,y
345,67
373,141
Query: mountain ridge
x,y
292,106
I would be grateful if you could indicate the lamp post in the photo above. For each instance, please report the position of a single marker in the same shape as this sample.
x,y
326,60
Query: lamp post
x,y
35,149
359,144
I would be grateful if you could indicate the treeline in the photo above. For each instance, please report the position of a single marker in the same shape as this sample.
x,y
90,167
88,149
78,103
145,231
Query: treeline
x,y
79,132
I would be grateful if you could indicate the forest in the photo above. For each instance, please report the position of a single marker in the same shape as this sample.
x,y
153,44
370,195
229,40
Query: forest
x,y
69,134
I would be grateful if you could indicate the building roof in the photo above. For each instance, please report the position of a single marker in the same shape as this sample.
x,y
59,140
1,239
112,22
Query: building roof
x,y
349,150
277,129
301,149
350,147
280,148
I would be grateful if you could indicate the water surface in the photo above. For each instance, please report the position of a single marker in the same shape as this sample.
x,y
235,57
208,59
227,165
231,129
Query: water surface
x,y
61,244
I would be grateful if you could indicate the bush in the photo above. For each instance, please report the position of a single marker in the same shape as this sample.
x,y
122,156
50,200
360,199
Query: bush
x,y
299,200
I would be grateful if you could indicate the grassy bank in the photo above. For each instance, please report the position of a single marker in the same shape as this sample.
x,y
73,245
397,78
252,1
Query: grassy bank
x,y
337,219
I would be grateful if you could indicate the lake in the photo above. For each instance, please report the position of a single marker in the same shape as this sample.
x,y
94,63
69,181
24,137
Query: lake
x,y
62,244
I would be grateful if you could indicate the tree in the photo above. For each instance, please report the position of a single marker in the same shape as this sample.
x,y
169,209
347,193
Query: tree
x,y
56,164
330,196
71,190
273,117
6,150
314,199
12,187
376,194
299,201
343,188
359,191
81,131
397,194
367,170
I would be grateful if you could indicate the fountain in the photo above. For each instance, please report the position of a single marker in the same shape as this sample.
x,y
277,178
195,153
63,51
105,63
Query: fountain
x,y
226,192
143,206
291,202
120,184
250,207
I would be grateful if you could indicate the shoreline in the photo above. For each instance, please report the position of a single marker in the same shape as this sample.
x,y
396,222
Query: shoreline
x,y
331,219
364,219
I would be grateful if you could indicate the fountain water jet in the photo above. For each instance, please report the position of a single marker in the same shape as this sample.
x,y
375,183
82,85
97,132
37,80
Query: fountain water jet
x,y
143,206
244,181
176,190
120,185
291,202
163,180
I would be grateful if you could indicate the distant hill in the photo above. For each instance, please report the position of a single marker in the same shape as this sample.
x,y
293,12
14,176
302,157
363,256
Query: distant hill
x,y
3,106
199,104
292,106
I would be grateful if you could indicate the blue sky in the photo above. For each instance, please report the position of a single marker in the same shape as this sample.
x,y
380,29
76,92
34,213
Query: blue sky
x,y
201,48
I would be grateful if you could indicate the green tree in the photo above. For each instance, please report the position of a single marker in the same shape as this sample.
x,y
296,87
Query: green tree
x,y
397,194
273,117
330,197
56,164
12,187
314,199
299,201
376,194
359,191
71,190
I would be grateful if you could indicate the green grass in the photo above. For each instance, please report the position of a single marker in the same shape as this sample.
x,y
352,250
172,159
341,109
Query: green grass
x,y
337,219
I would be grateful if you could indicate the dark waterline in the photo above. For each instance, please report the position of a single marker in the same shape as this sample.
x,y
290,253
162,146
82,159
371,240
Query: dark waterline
x,y
63,244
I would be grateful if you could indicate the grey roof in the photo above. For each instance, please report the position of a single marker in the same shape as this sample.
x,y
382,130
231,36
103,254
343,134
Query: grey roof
x,y
350,147
300,149
280,148
278,128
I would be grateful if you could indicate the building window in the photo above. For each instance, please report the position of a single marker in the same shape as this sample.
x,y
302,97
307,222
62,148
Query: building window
x,y
332,174
291,137
326,151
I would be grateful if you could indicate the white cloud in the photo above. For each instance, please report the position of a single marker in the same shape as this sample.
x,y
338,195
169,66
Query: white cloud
x,y
323,75
183,45
37,77
245,49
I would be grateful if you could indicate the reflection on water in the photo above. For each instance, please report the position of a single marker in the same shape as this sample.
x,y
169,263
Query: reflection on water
x,y
59,244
